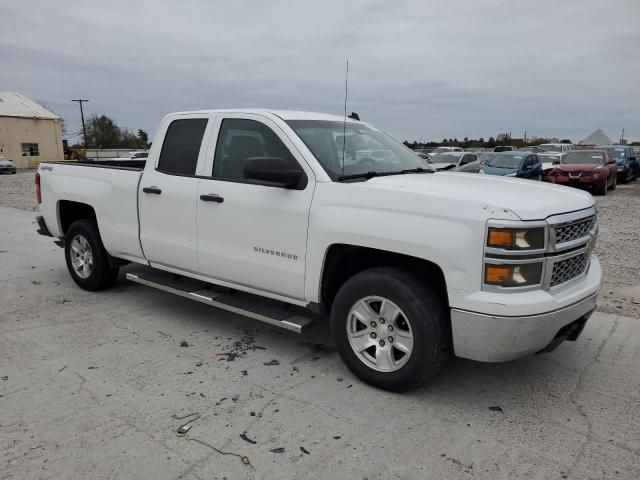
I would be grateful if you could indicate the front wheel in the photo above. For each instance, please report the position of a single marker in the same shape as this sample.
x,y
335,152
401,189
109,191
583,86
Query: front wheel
x,y
614,184
391,329
87,259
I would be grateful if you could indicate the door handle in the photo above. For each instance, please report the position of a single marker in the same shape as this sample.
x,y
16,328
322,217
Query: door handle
x,y
211,197
155,190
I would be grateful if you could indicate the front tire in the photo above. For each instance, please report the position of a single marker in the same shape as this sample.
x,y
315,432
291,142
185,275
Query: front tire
x,y
391,329
614,184
87,259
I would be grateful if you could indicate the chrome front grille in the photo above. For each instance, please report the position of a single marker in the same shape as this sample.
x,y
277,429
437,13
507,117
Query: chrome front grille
x,y
569,268
569,231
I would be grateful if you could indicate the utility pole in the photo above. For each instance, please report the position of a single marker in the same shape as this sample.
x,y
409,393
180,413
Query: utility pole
x,y
84,130
622,137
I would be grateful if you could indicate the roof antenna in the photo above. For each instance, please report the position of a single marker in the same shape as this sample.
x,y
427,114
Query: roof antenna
x,y
344,126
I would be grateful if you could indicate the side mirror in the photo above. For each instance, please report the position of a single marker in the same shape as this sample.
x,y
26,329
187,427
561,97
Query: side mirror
x,y
275,172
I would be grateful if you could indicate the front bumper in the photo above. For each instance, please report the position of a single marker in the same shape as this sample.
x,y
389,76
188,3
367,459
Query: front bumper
x,y
587,181
492,338
7,169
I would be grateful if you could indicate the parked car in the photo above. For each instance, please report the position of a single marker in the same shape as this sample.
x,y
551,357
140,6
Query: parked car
x,y
626,161
6,165
503,148
514,164
425,150
438,150
134,156
450,160
594,169
533,149
484,157
473,167
254,212
424,156
557,147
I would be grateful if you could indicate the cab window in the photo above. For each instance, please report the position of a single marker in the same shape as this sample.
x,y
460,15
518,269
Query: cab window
x,y
241,140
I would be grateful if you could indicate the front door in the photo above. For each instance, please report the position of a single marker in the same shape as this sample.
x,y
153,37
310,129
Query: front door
x,y
250,234
168,196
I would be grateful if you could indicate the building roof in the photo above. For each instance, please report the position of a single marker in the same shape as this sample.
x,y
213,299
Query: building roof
x,y
14,104
596,138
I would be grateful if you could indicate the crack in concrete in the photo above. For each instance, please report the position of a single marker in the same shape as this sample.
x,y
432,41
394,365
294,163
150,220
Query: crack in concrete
x,y
580,407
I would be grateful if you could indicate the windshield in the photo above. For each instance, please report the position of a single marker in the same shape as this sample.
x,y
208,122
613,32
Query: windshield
x,y
446,158
367,149
616,152
575,158
551,148
505,161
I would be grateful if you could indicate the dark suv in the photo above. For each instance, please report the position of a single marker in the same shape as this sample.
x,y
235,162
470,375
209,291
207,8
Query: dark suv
x,y
626,161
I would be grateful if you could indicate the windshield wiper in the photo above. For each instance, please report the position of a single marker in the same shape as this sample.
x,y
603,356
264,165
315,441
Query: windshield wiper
x,y
371,174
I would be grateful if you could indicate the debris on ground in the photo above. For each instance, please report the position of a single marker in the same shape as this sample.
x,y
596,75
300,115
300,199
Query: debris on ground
x,y
271,363
199,364
277,450
184,343
496,409
244,436
244,373
304,450
184,428
232,356
62,368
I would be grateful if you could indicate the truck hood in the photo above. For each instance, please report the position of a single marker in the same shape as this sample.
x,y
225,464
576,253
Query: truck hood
x,y
528,199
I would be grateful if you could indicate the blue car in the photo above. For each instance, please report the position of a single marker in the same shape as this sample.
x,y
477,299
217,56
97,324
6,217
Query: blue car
x,y
514,164
626,161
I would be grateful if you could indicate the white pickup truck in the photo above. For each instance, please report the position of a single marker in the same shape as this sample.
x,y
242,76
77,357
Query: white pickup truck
x,y
281,216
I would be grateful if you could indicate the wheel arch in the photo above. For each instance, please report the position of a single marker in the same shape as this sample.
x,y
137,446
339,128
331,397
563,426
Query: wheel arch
x,y
70,211
343,261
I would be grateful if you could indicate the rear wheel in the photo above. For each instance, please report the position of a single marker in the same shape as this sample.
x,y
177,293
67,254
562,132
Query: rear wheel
x,y
391,329
87,259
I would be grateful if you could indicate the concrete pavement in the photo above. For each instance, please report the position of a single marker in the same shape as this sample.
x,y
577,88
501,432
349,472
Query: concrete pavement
x,y
89,383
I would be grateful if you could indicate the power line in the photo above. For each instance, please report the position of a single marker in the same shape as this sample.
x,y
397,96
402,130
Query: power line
x,y
84,130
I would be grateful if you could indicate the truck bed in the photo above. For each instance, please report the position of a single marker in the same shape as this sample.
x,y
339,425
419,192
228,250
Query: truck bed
x,y
114,164
110,188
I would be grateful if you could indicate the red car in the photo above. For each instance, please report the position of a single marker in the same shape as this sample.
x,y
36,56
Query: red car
x,y
594,169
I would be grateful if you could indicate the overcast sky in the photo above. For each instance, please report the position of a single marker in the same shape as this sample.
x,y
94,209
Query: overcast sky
x,y
421,69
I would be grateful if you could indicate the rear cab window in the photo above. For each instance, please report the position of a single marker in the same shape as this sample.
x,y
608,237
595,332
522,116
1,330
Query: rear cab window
x,y
181,146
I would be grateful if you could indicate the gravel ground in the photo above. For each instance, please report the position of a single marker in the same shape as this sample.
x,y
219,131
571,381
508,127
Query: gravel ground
x,y
617,246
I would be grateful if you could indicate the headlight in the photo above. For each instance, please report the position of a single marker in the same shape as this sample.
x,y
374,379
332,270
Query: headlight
x,y
516,238
521,275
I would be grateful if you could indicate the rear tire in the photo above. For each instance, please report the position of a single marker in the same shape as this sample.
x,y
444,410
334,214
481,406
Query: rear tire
x,y
403,343
87,259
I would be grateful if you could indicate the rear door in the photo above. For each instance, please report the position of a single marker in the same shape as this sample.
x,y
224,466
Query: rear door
x,y
168,193
253,235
